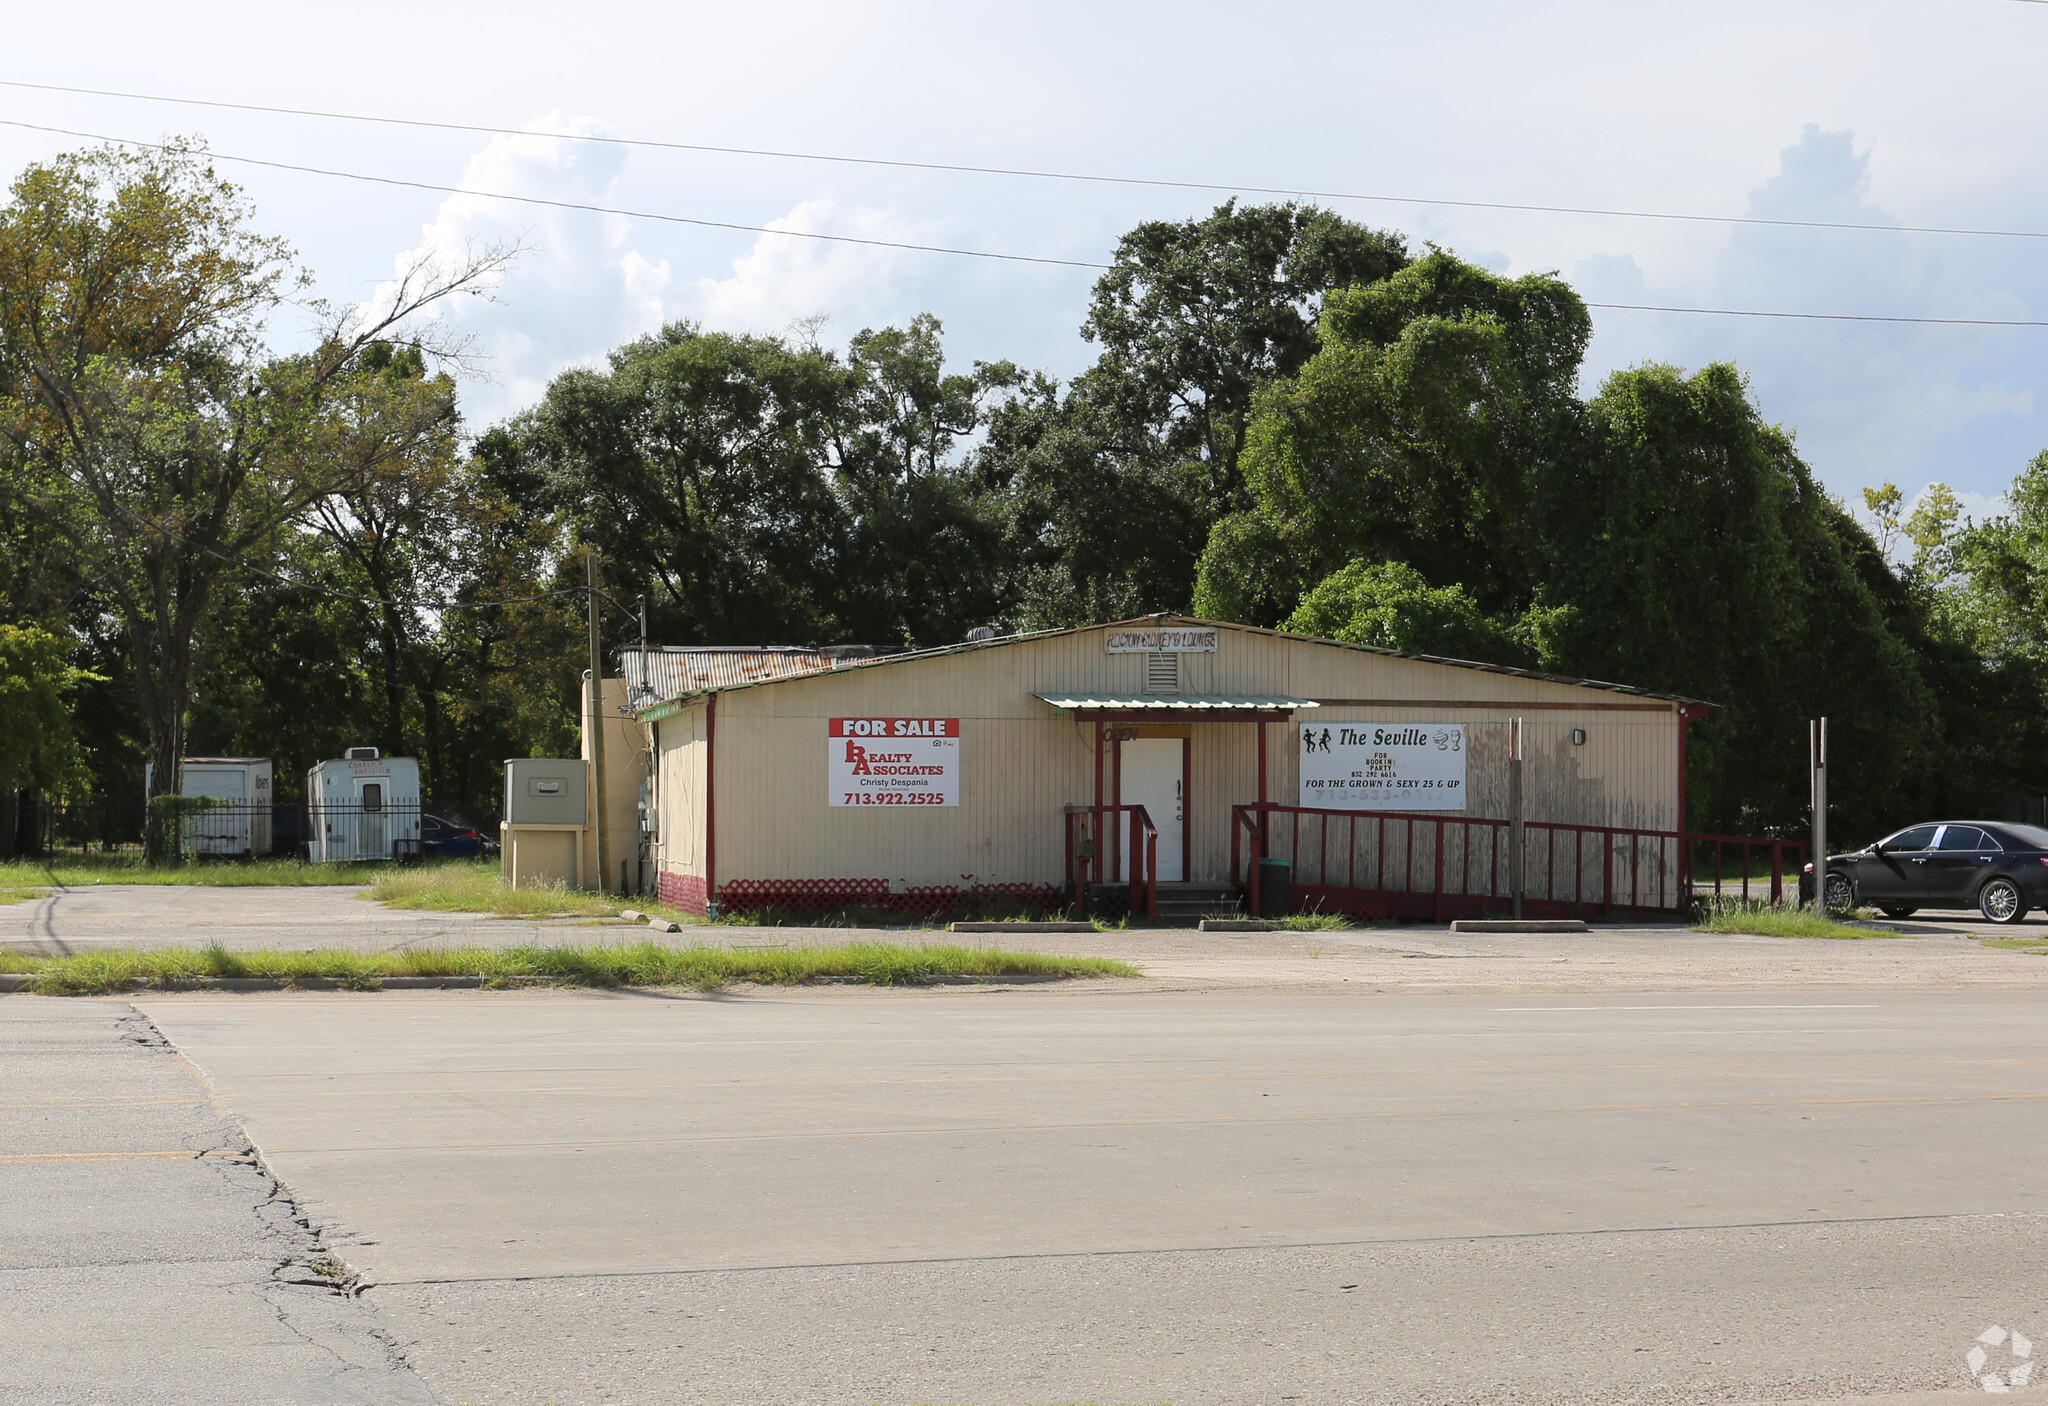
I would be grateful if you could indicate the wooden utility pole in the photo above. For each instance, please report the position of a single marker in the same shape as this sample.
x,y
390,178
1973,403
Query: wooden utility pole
x,y
1817,754
596,723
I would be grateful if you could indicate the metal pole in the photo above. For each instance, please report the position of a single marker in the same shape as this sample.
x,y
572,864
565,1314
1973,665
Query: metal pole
x,y
596,719
1516,856
1817,752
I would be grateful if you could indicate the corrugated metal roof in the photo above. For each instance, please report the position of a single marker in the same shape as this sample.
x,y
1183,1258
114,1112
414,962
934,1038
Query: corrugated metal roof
x,y
671,671
1188,702
1155,621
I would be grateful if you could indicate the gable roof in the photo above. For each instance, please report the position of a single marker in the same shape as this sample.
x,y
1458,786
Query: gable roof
x,y
656,711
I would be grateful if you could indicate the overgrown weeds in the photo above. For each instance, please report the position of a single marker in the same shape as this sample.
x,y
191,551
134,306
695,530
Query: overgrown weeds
x,y
83,871
474,886
624,964
1761,918
1313,922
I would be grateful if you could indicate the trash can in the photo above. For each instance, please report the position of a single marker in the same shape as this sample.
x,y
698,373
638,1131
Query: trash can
x,y
1276,883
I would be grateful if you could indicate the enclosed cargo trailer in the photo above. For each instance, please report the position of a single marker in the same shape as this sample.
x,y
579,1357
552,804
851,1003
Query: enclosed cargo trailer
x,y
238,824
363,808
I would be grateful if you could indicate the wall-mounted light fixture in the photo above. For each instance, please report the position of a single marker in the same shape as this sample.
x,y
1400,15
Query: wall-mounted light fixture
x,y
1578,737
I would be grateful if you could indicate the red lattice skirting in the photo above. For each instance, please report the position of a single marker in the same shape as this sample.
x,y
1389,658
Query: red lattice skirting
x,y
828,895
683,892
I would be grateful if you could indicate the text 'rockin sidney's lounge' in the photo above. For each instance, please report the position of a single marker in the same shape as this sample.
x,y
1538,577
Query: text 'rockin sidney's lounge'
x,y
1166,754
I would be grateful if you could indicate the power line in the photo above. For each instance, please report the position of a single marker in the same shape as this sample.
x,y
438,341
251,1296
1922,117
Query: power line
x,y
919,248
566,204
1835,316
1026,173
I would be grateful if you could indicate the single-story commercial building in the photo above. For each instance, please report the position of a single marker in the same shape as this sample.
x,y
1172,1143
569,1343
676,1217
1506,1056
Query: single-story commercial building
x,y
1166,753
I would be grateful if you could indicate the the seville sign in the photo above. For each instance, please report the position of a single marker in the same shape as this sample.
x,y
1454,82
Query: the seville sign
x,y
1162,641
893,762
1383,766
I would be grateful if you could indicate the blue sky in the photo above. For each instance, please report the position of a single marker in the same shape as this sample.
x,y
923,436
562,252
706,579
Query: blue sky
x,y
1890,113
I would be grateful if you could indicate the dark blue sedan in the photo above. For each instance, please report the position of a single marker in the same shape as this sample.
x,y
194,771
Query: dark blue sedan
x,y
1999,869
448,840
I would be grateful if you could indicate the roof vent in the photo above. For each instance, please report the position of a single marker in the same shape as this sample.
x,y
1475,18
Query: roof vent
x,y
360,754
1162,673
981,634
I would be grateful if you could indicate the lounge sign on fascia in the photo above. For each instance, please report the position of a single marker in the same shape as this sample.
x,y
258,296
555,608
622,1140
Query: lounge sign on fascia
x,y
1162,641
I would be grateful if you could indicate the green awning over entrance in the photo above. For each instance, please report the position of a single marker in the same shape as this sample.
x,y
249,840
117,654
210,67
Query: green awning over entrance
x,y
1194,703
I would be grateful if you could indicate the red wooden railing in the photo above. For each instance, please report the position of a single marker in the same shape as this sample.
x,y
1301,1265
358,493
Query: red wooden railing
x,y
1097,824
1567,868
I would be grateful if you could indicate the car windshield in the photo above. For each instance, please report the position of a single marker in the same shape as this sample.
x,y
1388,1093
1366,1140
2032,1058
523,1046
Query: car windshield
x,y
2031,836
1919,837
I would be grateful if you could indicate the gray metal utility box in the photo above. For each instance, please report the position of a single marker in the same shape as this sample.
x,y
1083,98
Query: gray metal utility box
x,y
543,791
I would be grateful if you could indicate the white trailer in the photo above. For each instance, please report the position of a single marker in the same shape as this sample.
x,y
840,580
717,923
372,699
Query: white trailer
x,y
239,822
364,807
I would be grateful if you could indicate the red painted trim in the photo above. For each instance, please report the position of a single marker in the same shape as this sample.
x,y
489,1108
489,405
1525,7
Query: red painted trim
x,y
1187,809
1116,797
711,800
1262,762
1101,835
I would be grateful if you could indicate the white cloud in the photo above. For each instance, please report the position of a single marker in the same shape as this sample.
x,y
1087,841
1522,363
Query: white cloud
x,y
782,279
579,289
1870,402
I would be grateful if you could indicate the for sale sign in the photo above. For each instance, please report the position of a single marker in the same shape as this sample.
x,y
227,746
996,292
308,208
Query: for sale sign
x,y
1383,766
894,761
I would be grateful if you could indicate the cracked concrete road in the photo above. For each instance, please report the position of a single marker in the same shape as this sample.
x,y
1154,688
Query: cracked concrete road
x,y
145,1256
1049,1194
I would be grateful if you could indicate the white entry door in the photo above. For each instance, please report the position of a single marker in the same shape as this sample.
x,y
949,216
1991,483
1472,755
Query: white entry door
x,y
373,824
1154,776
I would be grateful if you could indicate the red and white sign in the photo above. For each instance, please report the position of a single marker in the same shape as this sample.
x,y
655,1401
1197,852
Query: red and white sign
x,y
893,761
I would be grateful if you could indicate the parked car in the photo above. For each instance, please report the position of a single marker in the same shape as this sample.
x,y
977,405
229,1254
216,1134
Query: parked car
x,y
1999,869
449,840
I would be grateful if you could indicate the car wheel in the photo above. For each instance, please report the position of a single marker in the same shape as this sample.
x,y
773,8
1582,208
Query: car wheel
x,y
1841,894
2000,901
1895,912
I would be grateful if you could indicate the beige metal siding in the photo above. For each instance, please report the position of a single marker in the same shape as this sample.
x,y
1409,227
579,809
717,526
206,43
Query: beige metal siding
x,y
1020,764
680,755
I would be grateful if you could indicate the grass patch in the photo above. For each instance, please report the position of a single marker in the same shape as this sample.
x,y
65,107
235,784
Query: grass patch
x,y
634,964
1763,919
477,886
2038,945
1313,922
11,894
83,871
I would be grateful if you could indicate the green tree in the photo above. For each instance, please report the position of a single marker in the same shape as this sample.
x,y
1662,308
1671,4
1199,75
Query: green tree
x,y
766,489
37,745
1415,434
1111,486
1701,559
695,465
1389,605
151,431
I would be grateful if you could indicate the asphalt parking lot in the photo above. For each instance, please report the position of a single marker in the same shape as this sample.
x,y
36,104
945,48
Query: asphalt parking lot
x,y
1029,1196
1387,1165
1934,954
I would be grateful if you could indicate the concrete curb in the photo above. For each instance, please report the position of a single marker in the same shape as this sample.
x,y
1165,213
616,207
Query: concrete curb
x,y
20,982
1020,927
1237,925
1518,925
1013,979
11,982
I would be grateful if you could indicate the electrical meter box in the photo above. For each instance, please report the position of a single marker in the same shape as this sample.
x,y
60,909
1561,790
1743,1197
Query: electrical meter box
x,y
542,791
